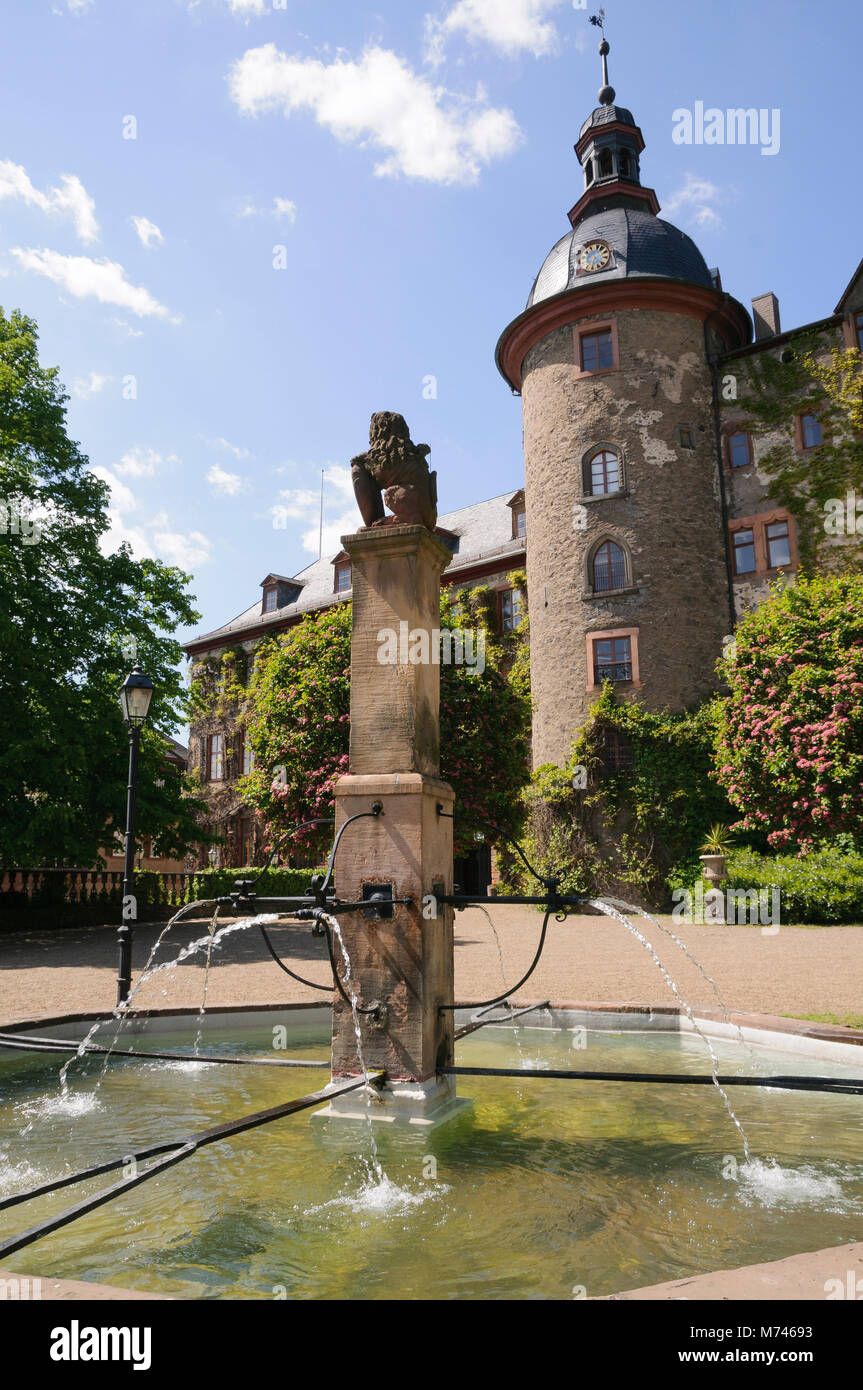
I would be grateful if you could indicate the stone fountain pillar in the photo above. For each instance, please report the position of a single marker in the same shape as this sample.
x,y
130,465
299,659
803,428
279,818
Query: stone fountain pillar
x,y
404,961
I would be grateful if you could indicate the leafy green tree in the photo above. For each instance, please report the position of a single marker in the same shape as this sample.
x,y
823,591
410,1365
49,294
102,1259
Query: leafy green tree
x,y
299,723
70,618
790,739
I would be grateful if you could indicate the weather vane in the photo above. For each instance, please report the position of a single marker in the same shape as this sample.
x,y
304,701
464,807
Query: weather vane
x,y
599,20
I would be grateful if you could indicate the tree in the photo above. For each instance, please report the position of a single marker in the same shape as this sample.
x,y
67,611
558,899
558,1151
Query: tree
x,y
299,724
70,618
790,739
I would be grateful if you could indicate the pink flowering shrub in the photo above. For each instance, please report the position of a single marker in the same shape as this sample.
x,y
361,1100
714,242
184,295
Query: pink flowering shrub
x,y
790,740
299,725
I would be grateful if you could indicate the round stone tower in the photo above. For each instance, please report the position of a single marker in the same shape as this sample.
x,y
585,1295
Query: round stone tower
x,y
627,565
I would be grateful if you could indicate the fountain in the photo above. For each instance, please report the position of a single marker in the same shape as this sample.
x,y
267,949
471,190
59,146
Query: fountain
x,y
538,1178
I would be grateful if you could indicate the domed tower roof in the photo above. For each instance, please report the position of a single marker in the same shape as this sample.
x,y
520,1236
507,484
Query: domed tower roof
x,y
640,244
617,239
604,114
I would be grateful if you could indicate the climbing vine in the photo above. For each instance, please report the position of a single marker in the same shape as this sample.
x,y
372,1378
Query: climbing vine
x,y
812,484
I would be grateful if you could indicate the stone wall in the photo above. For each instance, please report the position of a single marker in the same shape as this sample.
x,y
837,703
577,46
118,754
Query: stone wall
x,y
668,514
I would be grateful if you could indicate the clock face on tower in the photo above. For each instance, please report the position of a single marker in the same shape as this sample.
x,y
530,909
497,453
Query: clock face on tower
x,y
593,256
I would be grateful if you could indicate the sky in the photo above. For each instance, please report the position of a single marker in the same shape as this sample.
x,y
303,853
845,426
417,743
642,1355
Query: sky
x,y
244,225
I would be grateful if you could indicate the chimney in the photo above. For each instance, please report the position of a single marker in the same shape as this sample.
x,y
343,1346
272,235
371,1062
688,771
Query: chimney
x,y
765,312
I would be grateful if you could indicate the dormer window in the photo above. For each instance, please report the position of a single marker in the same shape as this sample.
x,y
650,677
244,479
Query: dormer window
x,y
279,592
343,577
519,515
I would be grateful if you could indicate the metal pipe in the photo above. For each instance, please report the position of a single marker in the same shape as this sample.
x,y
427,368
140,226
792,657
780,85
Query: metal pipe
x,y
124,931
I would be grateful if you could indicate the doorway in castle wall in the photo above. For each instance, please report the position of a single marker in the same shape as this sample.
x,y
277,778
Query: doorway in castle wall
x,y
472,872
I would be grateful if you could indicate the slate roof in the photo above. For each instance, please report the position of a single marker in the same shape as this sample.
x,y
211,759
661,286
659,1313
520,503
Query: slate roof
x,y
603,115
483,531
643,245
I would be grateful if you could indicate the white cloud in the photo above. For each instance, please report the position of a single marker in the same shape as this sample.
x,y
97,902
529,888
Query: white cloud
x,y
303,505
148,232
425,131
84,277
237,450
142,463
77,7
123,498
695,201
509,26
91,385
245,7
282,207
127,327
226,484
189,552
69,197
148,538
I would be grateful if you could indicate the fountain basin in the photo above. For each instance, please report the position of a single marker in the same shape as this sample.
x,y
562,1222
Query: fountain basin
x,y
540,1189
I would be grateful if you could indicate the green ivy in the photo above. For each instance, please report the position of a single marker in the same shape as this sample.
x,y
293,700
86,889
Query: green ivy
x,y
627,831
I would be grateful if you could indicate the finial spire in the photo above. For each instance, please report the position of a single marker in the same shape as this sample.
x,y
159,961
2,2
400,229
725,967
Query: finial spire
x,y
606,92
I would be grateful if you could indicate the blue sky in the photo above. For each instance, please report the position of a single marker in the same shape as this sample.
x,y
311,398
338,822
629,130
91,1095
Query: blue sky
x,y
415,164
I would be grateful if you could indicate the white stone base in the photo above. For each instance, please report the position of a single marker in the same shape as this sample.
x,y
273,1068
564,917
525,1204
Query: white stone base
x,y
400,1102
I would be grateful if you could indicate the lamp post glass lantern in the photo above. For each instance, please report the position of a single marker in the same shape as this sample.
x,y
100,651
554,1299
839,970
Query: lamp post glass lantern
x,y
136,692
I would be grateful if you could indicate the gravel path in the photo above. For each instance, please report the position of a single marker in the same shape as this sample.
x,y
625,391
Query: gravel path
x,y
798,971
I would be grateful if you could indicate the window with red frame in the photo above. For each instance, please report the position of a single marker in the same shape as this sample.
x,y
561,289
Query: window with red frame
x,y
744,551
609,568
217,757
810,431
739,449
612,659
597,350
604,476
511,610
778,545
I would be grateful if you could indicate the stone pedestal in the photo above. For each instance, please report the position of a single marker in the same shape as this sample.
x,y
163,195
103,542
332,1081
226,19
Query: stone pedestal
x,y
402,959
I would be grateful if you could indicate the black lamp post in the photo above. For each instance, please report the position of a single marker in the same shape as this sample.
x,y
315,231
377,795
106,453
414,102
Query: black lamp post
x,y
136,692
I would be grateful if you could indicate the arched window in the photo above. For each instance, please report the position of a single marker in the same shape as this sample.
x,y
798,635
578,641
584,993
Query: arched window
x,y
605,165
588,171
623,163
609,567
602,473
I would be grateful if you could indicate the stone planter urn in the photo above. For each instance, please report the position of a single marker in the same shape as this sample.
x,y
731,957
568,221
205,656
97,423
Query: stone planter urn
x,y
714,867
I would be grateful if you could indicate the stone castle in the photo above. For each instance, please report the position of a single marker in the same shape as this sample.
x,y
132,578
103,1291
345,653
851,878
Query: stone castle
x,y
645,523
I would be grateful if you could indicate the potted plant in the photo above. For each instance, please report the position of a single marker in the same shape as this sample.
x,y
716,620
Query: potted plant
x,y
714,852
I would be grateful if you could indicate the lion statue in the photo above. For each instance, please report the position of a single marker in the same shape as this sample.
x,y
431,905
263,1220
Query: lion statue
x,y
394,470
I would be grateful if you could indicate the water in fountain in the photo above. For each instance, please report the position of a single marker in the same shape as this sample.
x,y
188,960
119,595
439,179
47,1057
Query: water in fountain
x,y
699,967
609,911
203,1009
367,1089
205,943
525,1061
